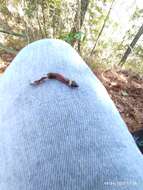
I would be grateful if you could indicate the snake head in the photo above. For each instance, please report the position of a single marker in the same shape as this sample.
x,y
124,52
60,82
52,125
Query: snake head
x,y
72,83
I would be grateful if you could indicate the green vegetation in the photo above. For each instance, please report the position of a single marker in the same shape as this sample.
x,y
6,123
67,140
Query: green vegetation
x,y
88,25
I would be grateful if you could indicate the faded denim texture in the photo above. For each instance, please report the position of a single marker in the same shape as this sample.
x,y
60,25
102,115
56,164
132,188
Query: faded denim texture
x,y
53,137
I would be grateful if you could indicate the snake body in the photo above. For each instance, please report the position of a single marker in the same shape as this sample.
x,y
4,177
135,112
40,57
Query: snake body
x,y
56,76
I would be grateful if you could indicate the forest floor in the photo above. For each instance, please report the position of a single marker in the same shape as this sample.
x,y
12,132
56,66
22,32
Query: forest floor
x,y
125,89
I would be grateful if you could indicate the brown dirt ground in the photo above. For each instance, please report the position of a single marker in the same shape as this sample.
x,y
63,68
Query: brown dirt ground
x,y
125,89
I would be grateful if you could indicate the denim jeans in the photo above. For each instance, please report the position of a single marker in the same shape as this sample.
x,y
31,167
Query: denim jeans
x,y
53,137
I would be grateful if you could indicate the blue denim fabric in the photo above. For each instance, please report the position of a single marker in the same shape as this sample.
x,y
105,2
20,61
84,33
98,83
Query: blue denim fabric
x,y
53,137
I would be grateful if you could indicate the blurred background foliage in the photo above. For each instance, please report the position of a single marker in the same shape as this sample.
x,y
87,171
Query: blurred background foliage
x,y
88,25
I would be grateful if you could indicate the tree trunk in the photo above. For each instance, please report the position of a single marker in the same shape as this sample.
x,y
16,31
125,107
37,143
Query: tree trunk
x,y
80,14
84,6
79,18
131,46
103,26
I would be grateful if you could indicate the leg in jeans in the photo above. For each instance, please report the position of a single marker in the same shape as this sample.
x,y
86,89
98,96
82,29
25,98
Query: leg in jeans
x,y
53,137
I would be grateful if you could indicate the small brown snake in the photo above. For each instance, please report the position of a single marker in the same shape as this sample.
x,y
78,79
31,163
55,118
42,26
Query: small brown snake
x,y
56,76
